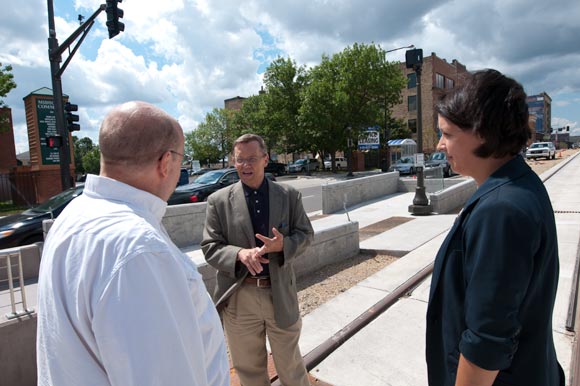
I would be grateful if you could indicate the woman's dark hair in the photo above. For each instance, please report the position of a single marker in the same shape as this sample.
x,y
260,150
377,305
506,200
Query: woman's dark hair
x,y
493,106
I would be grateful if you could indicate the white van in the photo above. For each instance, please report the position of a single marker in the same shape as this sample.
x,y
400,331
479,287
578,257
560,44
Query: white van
x,y
340,163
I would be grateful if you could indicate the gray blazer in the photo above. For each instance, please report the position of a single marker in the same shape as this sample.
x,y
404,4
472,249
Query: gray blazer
x,y
228,228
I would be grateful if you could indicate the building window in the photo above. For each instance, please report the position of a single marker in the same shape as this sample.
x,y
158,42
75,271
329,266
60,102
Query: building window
x,y
411,80
412,102
450,83
439,81
412,125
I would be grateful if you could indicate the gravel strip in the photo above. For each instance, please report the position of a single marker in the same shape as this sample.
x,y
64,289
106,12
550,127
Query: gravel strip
x,y
319,287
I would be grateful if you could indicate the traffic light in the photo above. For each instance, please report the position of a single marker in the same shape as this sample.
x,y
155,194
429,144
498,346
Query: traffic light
x,y
114,13
71,118
54,141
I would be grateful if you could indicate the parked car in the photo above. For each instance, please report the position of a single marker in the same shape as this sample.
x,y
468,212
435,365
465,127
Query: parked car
x,y
200,189
183,177
541,150
339,162
303,165
200,172
26,227
405,165
276,168
439,160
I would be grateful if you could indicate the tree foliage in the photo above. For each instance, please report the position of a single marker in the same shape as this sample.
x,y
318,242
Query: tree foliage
x,y
213,138
314,110
6,85
347,93
87,156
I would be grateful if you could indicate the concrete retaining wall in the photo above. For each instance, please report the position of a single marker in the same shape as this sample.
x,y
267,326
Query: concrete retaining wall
x,y
30,255
352,192
18,352
184,223
329,245
432,185
453,197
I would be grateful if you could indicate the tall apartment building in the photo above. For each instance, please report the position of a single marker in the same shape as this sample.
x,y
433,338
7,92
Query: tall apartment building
x,y
437,75
540,107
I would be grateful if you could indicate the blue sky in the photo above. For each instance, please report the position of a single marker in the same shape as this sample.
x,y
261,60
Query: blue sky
x,y
187,56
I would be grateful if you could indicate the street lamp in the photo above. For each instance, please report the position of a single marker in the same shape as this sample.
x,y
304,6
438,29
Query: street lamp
x,y
400,48
386,155
420,206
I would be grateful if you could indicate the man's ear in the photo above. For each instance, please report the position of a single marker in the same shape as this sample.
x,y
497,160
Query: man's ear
x,y
163,164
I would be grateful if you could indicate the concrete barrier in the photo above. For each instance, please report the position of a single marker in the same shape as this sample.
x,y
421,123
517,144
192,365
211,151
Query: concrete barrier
x,y
184,223
30,256
432,185
18,352
453,197
330,245
352,192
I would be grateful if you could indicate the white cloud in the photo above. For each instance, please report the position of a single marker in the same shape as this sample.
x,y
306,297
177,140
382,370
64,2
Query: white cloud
x,y
187,56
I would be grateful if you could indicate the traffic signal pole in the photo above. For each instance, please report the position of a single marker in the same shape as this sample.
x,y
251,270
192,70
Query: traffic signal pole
x,y
54,53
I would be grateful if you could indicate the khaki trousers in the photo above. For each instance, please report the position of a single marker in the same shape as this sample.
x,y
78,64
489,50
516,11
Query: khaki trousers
x,y
248,319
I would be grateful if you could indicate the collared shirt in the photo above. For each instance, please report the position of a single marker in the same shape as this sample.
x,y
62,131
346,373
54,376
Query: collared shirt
x,y
118,302
259,208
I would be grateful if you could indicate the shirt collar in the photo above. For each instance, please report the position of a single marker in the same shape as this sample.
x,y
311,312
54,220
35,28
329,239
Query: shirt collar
x,y
137,199
511,170
262,190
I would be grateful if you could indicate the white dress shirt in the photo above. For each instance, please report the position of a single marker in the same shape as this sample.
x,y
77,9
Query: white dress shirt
x,y
118,302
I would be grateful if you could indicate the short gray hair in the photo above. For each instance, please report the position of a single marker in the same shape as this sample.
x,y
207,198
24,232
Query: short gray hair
x,y
249,138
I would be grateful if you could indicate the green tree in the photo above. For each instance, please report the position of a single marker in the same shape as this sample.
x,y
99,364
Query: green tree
x,y
81,146
214,137
6,85
92,160
284,81
347,93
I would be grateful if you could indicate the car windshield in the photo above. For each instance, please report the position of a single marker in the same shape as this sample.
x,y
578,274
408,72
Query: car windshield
x,y
536,145
58,200
438,156
405,160
300,162
209,177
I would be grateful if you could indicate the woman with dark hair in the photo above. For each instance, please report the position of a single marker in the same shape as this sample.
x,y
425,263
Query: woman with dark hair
x,y
489,319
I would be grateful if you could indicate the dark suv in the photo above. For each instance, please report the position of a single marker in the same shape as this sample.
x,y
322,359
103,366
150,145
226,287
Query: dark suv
x,y
276,168
439,160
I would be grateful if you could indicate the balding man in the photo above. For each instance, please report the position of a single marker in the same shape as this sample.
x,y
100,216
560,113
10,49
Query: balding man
x,y
118,303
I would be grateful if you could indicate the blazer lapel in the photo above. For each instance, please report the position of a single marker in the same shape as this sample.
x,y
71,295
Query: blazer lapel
x,y
240,208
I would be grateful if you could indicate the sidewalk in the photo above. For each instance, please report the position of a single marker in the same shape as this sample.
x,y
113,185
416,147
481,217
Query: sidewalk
x,y
390,351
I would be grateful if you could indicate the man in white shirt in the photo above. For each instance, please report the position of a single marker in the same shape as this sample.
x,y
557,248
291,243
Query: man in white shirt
x,y
118,303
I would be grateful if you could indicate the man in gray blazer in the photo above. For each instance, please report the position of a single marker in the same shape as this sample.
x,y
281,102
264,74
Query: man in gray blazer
x,y
254,229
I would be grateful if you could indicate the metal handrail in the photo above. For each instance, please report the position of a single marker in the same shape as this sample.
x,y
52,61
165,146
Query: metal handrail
x,y
8,255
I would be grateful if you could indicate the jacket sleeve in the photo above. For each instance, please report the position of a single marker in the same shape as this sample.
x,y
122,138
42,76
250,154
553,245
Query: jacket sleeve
x,y
214,244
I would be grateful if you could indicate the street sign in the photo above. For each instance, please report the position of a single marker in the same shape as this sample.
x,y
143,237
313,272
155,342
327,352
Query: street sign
x,y
369,140
47,128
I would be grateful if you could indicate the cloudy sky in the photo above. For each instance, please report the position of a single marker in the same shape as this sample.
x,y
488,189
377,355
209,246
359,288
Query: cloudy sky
x,y
187,56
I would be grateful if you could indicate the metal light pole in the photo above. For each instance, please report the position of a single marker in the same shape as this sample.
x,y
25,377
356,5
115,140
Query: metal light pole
x,y
420,206
385,162
54,54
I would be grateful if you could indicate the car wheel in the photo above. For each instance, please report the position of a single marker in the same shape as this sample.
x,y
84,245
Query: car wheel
x,y
412,171
447,172
554,155
302,170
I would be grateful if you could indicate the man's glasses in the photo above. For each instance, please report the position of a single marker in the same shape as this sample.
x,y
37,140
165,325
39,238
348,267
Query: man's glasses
x,y
172,152
248,161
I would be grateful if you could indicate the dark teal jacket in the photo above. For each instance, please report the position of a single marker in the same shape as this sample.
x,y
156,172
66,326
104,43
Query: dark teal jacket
x,y
494,285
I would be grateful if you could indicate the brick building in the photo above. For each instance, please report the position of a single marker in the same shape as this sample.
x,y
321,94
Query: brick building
x,y
540,107
436,76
